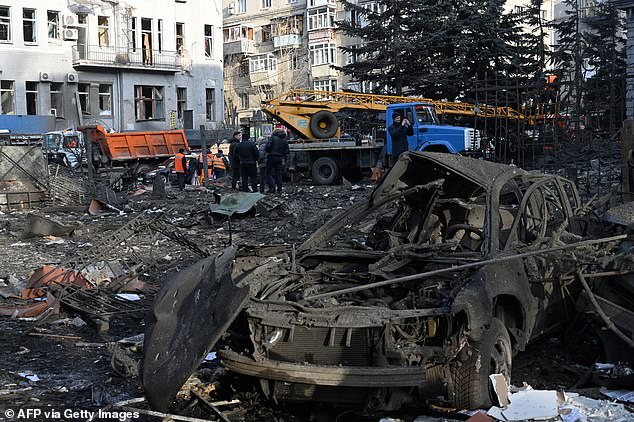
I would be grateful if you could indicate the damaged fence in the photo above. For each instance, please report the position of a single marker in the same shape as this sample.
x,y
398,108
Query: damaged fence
x,y
23,176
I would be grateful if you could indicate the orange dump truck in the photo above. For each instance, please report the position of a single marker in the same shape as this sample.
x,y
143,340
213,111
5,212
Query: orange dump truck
x,y
133,146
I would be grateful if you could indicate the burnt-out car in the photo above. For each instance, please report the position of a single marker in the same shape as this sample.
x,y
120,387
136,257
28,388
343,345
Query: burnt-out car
x,y
420,293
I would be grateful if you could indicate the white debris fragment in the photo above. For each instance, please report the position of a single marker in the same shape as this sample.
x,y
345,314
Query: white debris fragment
x,y
532,404
78,322
129,296
619,395
29,376
210,356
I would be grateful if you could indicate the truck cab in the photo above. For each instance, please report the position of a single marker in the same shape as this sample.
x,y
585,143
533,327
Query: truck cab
x,y
429,134
64,147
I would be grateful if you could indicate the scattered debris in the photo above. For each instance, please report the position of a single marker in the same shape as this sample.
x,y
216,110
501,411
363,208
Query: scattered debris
x,y
36,225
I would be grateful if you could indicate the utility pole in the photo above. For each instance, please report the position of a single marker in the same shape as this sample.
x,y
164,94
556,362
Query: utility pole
x,y
203,154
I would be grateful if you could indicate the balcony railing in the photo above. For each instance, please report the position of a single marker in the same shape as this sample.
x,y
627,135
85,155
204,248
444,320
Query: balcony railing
x,y
287,41
263,77
242,46
138,58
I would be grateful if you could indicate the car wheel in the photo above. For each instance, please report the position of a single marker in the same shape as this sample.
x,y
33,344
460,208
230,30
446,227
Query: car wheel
x,y
325,171
470,378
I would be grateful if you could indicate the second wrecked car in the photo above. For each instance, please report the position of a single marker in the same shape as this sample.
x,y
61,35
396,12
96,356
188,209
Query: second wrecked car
x,y
460,263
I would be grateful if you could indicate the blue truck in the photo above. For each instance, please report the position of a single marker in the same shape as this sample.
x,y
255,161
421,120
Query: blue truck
x,y
429,135
325,151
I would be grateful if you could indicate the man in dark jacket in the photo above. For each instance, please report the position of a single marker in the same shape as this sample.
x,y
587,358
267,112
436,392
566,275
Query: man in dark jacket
x,y
248,154
233,159
276,149
399,131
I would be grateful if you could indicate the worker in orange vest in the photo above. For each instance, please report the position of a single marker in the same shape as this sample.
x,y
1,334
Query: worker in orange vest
x,y
180,166
220,168
210,166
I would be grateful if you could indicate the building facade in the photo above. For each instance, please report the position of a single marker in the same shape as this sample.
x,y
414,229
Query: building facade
x,y
136,65
273,45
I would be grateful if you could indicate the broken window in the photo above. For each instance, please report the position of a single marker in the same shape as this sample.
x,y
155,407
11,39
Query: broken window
x,y
103,31
5,24
209,38
210,94
7,94
146,39
29,26
244,101
266,33
180,36
149,102
105,100
31,98
83,91
133,33
181,101
159,34
57,99
53,24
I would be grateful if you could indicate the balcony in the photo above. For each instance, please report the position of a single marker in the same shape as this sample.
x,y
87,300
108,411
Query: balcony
x,y
263,77
242,46
287,41
319,3
321,34
124,57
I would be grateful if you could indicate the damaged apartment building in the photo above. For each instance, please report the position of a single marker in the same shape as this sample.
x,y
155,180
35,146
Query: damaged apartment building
x,y
271,46
124,65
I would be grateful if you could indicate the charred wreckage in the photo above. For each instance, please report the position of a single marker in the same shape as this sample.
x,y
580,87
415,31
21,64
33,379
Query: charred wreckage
x,y
462,263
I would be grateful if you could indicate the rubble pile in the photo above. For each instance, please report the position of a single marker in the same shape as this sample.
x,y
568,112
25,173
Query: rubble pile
x,y
132,306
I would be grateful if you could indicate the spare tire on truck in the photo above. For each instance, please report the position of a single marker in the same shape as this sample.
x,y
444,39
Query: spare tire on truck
x,y
323,124
325,171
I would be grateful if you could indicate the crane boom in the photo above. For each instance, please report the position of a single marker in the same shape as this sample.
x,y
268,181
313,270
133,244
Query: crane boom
x,y
298,107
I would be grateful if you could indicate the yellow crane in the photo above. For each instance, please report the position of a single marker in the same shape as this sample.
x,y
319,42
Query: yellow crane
x,y
310,113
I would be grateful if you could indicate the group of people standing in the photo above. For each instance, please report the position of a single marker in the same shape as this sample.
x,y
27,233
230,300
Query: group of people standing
x,y
246,160
265,157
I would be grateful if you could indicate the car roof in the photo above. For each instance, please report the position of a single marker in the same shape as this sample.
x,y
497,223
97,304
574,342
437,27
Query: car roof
x,y
419,168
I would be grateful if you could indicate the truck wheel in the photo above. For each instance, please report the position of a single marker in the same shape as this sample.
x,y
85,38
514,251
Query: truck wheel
x,y
325,171
323,124
470,378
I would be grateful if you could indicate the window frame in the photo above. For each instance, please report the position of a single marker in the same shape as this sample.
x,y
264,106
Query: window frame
x,y
208,41
210,104
102,97
33,21
241,7
322,17
85,108
323,50
159,34
180,38
262,63
6,21
55,23
181,101
330,85
31,89
156,99
244,101
103,30
3,91
57,89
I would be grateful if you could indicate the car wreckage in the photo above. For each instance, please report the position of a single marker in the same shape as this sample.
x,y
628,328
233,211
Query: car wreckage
x,y
461,263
